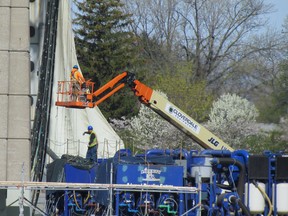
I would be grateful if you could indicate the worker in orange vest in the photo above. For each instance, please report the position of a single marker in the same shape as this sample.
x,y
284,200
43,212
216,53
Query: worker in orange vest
x,y
76,75
77,81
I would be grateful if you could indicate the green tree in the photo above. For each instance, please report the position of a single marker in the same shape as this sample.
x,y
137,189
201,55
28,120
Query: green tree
x,y
261,142
105,48
193,99
274,140
275,105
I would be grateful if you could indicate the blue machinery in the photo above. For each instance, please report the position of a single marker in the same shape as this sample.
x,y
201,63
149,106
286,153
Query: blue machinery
x,y
229,183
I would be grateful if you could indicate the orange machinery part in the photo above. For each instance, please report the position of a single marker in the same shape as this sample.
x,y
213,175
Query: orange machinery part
x,y
140,90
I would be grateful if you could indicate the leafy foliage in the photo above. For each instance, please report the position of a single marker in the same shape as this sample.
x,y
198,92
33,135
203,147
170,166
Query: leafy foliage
x,y
104,48
272,141
230,119
192,98
274,106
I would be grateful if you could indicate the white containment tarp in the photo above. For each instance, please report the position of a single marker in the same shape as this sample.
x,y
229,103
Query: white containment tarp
x,y
68,124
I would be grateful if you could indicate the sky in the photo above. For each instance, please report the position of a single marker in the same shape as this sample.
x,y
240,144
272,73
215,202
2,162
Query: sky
x,y
276,18
281,7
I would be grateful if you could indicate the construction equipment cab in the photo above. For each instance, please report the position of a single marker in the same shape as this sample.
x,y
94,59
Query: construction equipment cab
x,y
147,96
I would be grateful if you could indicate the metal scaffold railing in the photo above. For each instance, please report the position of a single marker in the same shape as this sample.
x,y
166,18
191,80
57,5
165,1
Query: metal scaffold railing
x,y
111,188
28,185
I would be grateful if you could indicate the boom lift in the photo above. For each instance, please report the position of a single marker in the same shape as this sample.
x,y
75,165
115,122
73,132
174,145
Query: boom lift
x,y
88,98
230,182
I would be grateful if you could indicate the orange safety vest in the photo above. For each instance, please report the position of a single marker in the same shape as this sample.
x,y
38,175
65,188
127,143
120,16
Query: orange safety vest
x,y
76,76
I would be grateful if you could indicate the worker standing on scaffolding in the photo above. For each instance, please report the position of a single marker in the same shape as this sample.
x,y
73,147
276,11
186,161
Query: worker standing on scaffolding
x,y
92,145
77,81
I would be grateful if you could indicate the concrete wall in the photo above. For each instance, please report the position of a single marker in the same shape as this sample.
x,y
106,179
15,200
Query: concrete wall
x,y
14,90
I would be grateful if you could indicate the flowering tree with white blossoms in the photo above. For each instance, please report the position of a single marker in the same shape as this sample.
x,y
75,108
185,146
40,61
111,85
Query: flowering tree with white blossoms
x,y
231,119
149,130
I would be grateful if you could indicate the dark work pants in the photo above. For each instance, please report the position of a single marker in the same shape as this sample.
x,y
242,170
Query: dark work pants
x,y
92,154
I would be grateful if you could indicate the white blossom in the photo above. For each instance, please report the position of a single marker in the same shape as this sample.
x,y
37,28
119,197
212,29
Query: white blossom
x,y
231,117
150,130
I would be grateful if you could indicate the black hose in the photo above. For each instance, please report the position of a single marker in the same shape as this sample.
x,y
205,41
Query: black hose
x,y
235,200
241,180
